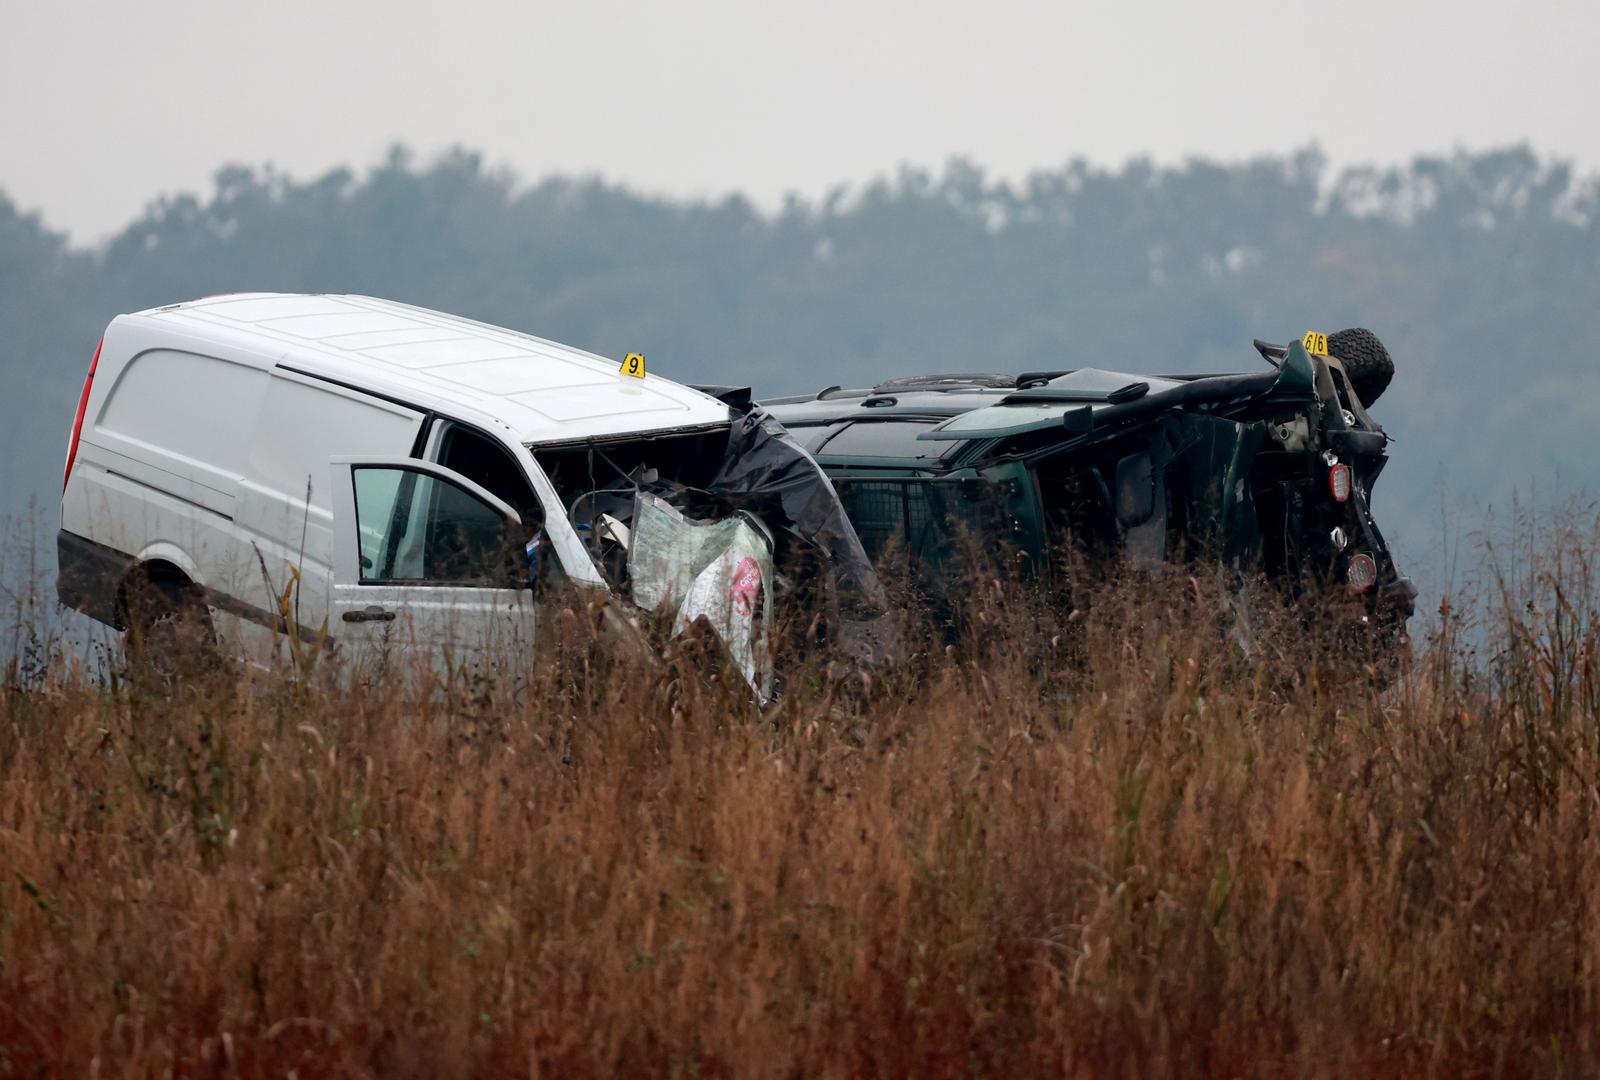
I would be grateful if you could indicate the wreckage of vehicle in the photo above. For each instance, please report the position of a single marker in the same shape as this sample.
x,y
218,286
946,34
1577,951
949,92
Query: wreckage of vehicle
x,y
1271,470
721,526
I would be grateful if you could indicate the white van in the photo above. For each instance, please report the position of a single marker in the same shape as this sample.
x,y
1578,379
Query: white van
x,y
368,475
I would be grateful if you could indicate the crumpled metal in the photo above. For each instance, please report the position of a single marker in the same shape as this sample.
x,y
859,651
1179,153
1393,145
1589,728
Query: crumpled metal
x,y
768,473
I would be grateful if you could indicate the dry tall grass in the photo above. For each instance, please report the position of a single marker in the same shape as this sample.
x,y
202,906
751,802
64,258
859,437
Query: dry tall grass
x,y
1103,846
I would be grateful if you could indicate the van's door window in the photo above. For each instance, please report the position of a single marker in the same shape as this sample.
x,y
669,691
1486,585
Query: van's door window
x,y
486,462
416,527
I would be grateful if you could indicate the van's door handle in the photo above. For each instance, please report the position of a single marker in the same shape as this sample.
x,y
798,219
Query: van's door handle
x,y
371,614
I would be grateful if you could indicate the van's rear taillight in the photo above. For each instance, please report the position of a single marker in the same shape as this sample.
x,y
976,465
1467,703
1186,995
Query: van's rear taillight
x,y
77,421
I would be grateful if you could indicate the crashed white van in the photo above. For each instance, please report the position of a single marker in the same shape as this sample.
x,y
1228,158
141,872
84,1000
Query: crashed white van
x,y
381,479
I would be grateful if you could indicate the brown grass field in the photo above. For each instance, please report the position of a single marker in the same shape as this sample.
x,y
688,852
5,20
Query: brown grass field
x,y
1098,844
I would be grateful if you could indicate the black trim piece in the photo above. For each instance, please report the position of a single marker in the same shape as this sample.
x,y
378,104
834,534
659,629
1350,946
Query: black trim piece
x,y
435,583
88,576
628,437
1045,394
353,388
420,444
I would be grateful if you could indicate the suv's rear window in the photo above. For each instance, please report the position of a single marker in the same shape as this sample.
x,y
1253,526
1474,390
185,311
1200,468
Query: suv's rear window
x,y
809,436
884,439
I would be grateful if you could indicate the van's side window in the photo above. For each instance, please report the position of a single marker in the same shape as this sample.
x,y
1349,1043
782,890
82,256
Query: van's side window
x,y
415,527
485,462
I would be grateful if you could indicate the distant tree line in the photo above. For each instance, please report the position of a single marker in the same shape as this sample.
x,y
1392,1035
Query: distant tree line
x,y
1480,271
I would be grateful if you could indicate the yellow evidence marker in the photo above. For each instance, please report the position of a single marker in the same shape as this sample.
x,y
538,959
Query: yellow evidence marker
x,y
633,365
1316,344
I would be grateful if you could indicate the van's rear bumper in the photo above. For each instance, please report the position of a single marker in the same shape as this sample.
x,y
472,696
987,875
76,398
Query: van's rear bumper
x,y
88,576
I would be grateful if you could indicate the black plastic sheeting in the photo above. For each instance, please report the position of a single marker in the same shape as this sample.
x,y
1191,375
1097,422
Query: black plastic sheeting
x,y
766,472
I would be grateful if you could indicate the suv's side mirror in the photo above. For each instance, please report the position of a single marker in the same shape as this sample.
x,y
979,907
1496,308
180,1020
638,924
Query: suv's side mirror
x,y
1136,490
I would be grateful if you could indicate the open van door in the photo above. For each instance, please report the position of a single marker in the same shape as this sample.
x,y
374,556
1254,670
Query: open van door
x,y
429,569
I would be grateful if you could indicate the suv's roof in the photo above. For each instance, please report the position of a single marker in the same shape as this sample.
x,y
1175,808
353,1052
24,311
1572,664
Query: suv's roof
x,y
836,405
928,416
541,390
880,423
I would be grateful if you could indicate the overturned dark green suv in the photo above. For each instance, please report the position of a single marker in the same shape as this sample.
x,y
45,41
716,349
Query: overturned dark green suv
x,y
1268,471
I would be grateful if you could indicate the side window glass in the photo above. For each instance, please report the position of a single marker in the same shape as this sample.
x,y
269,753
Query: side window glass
x,y
377,491
486,463
415,527
811,436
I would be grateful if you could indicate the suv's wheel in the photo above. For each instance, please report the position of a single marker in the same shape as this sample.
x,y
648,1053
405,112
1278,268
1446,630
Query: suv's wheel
x,y
1365,360
169,630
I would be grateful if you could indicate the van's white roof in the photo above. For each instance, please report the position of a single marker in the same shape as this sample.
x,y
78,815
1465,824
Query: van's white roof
x,y
540,390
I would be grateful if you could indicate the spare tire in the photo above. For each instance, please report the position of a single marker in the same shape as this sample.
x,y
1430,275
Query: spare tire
x,y
1365,360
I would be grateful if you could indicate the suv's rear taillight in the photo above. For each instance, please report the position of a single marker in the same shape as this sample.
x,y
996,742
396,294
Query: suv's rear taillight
x,y
1361,573
1340,481
77,421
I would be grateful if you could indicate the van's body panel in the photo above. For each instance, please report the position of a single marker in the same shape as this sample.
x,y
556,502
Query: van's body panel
x,y
211,430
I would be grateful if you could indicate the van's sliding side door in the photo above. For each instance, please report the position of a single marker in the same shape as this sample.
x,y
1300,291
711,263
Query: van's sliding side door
x,y
429,570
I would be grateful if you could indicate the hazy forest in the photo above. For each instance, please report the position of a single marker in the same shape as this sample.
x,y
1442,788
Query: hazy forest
x,y
1478,270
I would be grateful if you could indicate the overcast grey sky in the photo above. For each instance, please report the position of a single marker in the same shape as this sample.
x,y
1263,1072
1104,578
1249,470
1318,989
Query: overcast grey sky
x,y
105,105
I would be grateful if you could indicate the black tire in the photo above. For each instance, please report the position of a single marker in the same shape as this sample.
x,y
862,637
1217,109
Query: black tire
x,y
1365,360
169,631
